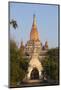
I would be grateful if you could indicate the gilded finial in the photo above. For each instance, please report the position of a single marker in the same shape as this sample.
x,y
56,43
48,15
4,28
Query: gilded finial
x,y
34,19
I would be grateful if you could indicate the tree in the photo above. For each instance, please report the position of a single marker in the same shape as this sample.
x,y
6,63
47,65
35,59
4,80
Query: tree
x,y
18,64
13,63
50,64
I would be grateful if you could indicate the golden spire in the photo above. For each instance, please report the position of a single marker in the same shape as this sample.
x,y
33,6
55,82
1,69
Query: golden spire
x,y
34,32
34,20
46,45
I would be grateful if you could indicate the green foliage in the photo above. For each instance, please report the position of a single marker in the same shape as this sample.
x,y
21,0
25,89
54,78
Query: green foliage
x,y
50,64
18,64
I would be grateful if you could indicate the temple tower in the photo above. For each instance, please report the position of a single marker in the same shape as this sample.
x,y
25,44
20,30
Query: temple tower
x,y
34,41
34,33
36,52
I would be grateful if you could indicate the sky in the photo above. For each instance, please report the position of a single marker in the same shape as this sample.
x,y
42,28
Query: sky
x,y
46,18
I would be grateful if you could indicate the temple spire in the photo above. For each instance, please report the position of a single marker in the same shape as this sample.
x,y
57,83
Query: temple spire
x,y
34,33
34,20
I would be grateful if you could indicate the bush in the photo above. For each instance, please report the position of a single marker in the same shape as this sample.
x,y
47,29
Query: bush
x,y
18,64
50,64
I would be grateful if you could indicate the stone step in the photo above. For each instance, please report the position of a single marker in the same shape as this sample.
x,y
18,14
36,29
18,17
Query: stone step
x,y
32,81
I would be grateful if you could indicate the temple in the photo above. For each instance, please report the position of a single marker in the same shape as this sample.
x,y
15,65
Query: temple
x,y
36,52
34,41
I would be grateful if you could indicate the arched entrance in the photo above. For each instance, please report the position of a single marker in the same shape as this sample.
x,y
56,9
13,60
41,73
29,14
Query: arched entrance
x,y
34,74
